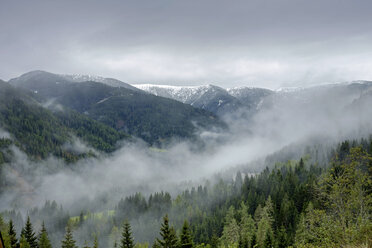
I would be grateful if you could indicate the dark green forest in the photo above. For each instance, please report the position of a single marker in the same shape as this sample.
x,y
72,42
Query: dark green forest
x,y
156,120
292,204
40,132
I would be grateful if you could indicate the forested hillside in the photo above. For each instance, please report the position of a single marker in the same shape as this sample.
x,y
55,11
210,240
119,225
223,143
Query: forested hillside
x,y
40,132
293,204
153,119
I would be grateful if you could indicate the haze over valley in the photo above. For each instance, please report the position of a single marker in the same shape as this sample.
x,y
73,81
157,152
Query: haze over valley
x,y
185,124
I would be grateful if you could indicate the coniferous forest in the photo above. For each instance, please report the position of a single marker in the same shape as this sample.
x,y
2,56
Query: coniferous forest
x,y
292,204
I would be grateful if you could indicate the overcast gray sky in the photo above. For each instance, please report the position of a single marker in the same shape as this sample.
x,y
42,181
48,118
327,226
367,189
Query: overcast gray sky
x,y
229,43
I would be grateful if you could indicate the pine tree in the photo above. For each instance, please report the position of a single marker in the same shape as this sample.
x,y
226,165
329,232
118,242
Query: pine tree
x,y
29,234
185,238
127,239
68,242
12,235
168,234
44,241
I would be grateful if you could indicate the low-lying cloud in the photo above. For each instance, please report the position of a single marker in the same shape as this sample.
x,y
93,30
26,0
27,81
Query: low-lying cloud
x,y
331,113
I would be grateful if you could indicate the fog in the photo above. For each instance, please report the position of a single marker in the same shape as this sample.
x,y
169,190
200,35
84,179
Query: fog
x,y
285,123
4,134
331,113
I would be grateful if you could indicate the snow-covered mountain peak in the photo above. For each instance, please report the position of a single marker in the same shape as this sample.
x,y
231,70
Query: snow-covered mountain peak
x,y
78,78
289,89
83,78
185,94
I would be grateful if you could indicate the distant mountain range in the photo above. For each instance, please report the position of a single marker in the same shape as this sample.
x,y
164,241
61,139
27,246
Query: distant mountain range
x,y
226,101
43,111
210,97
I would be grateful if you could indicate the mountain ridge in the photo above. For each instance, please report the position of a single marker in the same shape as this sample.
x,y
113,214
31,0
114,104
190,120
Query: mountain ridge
x,y
152,118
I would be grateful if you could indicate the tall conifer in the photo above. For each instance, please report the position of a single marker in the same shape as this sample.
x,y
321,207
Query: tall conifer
x,y
127,239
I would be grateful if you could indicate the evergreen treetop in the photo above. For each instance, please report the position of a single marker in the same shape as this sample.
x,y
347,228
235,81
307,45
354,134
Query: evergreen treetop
x,y
68,242
127,239
168,234
29,234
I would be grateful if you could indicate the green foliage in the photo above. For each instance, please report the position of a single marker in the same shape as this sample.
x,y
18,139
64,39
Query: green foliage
x,y
127,240
68,241
29,234
96,134
247,227
4,231
23,242
44,241
231,232
168,234
185,237
346,194
13,242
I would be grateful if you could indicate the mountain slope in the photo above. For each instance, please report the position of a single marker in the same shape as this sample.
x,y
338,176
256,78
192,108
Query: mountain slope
x,y
149,117
208,97
40,132
78,78
42,79
249,96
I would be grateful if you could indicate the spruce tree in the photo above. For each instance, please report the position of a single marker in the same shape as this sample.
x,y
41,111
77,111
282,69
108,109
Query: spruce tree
x,y
127,239
168,234
68,242
185,238
12,235
29,234
44,241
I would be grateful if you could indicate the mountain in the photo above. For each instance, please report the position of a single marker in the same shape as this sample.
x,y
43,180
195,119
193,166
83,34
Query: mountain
x,y
209,97
152,118
40,79
249,96
328,95
78,78
40,132
232,100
